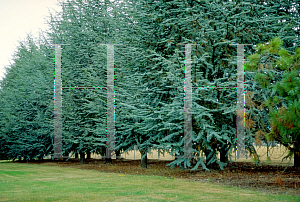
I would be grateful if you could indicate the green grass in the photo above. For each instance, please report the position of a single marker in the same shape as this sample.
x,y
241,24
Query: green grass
x,y
30,182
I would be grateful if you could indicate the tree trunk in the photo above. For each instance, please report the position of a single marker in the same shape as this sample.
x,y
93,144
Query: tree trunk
x,y
108,160
76,155
118,156
88,155
143,160
297,159
223,157
297,153
82,158
268,150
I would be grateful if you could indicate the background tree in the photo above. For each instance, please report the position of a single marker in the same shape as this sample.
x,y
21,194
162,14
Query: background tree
x,y
278,70
26,108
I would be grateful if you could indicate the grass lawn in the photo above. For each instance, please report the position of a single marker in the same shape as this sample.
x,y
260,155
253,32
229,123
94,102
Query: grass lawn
x,y
30,182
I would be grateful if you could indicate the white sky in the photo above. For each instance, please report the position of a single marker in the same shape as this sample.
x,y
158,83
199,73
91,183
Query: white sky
x,y
17,19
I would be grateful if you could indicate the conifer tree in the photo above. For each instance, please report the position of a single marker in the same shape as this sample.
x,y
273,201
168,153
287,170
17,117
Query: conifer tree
x,y
162,26
150,71
278,71
80,112
84,25
26,107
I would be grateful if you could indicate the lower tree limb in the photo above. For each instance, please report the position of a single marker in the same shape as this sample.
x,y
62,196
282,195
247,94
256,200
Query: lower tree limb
x,y
108,159
211,165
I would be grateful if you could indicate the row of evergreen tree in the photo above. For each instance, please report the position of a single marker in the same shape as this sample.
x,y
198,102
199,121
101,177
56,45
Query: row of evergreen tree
x,y
149,77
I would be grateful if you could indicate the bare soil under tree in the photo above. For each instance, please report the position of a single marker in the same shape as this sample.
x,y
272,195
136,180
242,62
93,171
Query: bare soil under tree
x,y
269,179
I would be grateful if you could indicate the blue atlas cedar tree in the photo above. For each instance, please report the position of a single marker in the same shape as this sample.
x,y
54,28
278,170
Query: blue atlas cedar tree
x,y
83,25
27,103
163,24
132,141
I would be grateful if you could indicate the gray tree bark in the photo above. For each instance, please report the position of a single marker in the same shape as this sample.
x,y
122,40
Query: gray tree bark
x,y
143,160
297,153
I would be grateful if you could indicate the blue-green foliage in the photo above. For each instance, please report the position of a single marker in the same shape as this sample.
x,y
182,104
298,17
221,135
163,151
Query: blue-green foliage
x,y
213,25
83,64
276,72
149,76
26,108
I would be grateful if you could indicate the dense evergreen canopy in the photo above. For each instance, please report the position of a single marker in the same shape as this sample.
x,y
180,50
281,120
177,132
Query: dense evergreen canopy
x,y
277,72
149,76
26,108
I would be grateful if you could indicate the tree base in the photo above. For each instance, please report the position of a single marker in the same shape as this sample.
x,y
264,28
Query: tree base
x,y
82,158
143,160
297,159
118,155
88,155
108,160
